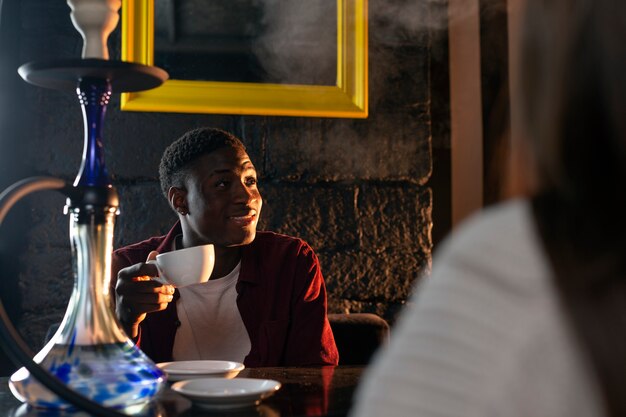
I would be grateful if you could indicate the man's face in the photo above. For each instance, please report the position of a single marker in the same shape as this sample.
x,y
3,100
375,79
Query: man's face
x,y
223,200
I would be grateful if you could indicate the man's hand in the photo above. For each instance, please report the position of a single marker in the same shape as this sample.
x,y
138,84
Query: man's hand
x,y
136,294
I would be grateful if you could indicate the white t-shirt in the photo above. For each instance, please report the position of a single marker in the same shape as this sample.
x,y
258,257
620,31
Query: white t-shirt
x,y
211,326
485,335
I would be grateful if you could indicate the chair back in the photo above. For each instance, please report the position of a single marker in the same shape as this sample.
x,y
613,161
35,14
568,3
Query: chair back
x,y
358,336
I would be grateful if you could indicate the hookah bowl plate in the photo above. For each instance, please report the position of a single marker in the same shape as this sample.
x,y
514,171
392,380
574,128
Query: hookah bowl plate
x,y
65,74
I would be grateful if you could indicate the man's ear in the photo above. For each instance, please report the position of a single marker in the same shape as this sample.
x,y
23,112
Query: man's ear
x,y
178,200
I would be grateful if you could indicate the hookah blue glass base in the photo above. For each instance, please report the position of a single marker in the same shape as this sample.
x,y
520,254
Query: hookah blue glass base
x,y
89,353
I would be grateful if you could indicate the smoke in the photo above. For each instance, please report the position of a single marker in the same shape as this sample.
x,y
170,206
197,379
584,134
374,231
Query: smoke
x,y
433,15
298,43
294,41
400,18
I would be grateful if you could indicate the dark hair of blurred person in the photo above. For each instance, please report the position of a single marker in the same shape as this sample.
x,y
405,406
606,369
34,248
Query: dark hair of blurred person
x,y
573,112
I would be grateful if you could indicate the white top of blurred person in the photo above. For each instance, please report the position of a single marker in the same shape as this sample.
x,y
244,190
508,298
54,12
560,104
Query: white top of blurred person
x,y
485,335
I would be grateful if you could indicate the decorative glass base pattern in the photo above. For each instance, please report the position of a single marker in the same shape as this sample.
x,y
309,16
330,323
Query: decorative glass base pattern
x,y
114,375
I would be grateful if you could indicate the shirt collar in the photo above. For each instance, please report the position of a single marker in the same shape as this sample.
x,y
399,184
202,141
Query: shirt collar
x,y
167,244
249,264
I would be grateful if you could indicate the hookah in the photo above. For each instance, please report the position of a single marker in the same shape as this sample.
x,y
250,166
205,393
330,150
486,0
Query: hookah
x,y
90,363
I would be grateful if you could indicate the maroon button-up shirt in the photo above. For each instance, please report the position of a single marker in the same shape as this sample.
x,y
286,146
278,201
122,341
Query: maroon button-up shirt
x,y
281,297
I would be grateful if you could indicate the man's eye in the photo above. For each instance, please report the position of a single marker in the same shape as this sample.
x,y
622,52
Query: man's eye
x,y
221,184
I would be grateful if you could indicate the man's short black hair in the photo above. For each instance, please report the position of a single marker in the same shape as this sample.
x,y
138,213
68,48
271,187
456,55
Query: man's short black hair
x,y
179,156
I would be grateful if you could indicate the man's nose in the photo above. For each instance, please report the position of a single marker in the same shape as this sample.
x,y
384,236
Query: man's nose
x,y
245,194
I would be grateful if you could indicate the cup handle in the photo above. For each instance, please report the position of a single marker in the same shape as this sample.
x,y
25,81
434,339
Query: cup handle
x,y
159,279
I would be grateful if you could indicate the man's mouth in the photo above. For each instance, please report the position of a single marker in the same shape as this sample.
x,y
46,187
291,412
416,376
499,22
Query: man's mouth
x,y
244,219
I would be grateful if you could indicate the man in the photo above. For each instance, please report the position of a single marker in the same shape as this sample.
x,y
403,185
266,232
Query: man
x,y
265,302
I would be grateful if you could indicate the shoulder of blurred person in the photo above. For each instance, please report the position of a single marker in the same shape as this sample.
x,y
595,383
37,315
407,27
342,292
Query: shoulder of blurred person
x,y
484,334
496,245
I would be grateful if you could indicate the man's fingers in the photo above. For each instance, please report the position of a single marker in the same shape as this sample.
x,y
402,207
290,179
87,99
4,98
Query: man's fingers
x,y
139,270
138,309
142,278
143,287
155,298
137,294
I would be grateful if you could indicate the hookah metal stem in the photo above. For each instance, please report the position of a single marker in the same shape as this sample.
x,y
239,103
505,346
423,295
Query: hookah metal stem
x,y
12,342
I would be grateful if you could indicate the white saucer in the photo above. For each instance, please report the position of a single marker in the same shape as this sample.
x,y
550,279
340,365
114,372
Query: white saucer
x,y
223,394
179,370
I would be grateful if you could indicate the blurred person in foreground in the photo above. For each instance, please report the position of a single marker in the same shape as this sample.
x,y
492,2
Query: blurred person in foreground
x,y
525,311
265,302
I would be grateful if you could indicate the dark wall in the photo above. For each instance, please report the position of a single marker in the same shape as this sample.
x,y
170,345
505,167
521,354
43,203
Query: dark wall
x,y
356,190
495,97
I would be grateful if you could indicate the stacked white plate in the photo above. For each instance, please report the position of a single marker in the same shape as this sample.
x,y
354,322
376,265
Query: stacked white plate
x,y
226,394
179,370
209,384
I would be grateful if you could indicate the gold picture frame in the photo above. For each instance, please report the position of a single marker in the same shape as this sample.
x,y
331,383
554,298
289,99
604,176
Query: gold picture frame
x,y
348,98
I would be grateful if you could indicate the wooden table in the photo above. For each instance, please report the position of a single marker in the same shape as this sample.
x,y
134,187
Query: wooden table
x,y
314,391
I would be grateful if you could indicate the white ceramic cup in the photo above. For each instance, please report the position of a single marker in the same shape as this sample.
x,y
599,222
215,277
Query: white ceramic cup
x,y
185,266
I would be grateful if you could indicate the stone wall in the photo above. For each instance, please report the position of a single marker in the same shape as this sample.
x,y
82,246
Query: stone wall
x,y
356,190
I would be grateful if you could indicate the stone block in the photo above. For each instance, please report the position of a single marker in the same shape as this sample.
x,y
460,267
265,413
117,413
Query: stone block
x,y
399,78
34,326
385,277
395,216
48,226
53,137
323,215
46,280
136,140
144,212
386,147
